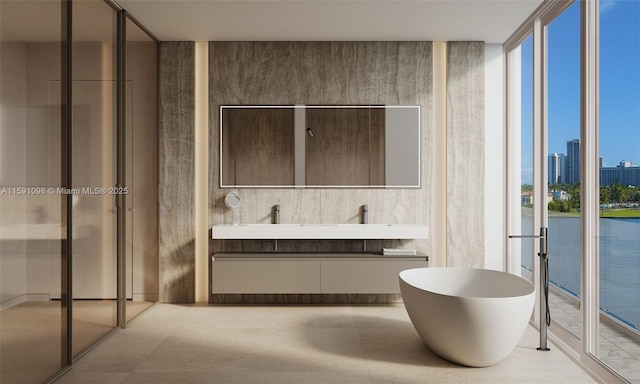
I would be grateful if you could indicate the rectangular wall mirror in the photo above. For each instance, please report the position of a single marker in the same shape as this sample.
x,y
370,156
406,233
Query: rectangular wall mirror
x,y
345,146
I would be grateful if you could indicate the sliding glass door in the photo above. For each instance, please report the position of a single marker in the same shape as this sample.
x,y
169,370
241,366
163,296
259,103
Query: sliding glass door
x,y
561,90
618,344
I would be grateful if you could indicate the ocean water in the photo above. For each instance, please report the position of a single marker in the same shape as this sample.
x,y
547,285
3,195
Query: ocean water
x,y
619,262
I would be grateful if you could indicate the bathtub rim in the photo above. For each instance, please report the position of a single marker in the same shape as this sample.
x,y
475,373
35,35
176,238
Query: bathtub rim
x,y
525,284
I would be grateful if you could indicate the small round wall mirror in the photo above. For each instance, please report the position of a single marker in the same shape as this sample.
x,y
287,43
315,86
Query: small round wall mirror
x,y
232,200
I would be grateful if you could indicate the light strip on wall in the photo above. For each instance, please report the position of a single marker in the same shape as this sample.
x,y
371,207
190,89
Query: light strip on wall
x,y
201,172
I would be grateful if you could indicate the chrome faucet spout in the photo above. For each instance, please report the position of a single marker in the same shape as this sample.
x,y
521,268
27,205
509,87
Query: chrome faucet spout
x,y
276,214
365,214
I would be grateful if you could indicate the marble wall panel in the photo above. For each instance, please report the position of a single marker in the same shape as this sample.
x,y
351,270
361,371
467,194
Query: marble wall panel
x,y
254,73
321,73
176,172
465,154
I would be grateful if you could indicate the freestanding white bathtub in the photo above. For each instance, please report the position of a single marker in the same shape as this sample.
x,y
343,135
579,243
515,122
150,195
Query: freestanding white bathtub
x,y
473,317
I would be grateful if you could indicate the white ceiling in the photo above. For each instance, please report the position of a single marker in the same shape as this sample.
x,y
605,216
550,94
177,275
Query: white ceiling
x,y
492,21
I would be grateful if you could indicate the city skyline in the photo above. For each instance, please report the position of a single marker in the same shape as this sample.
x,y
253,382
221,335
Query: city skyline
x,y
619,96
604,163
563,168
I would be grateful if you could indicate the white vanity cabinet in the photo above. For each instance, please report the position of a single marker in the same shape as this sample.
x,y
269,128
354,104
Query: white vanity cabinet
x,y
327,273
322,272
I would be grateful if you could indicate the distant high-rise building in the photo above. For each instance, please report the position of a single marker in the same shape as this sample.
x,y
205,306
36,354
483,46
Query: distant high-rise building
x,y
626,173
572,175
554,171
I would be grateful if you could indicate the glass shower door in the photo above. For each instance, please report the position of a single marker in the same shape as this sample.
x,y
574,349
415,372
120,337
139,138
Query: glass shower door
x,y
141,171
33,219
94,172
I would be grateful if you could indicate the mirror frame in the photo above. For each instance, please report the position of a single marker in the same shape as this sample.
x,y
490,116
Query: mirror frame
x,y
296,108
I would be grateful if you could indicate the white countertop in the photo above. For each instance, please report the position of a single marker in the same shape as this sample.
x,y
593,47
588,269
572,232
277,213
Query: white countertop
x,y
319,231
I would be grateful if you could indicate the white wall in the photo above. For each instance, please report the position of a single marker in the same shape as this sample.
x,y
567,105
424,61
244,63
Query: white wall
x,y
494,186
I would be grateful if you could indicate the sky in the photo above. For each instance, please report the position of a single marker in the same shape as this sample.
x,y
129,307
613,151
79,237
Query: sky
x,y
619,83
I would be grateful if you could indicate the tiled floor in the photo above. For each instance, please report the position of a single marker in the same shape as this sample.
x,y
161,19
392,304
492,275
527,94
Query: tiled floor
x,y
31,332
618,350
296,344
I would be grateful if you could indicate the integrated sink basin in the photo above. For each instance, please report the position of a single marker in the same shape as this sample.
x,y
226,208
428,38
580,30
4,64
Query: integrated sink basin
x,y
319,231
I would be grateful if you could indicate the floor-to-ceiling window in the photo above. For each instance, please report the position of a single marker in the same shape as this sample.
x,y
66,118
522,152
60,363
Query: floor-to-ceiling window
x,y
587,67
562,115
619,139
59,147
520,60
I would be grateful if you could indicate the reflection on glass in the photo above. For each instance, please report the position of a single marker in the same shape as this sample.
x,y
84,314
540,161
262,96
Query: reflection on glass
x,y
347,147
141,267
32,220
563,100
94,139
619,330
258,146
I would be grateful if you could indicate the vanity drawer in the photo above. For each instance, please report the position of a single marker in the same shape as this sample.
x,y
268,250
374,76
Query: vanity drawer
x,y
365,276
265,276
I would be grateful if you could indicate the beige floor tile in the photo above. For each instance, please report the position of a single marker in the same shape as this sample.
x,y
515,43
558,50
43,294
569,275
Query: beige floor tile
x,y
244,377
75,377
298,344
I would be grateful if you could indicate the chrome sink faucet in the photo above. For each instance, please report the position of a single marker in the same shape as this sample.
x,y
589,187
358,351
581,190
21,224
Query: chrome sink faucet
x,y
275,213
364,214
